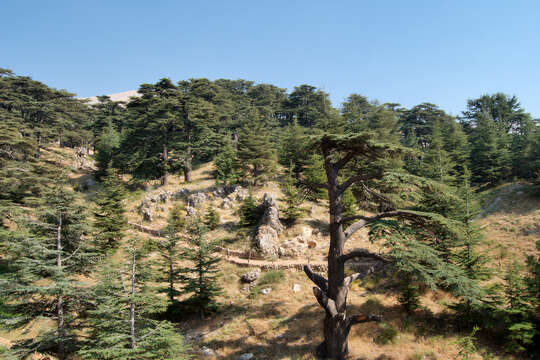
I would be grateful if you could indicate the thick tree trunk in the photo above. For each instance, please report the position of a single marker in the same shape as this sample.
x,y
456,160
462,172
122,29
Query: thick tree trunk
x,y
60,300
336,331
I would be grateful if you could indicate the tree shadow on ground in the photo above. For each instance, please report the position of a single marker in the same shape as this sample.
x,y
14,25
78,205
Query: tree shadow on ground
x,y
320,225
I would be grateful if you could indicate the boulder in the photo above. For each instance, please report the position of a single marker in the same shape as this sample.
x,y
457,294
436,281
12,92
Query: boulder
x,y
197,199
296,288
207,352
246,356
266,291
190,211
266,240
271,213
227,203
251,276
147,212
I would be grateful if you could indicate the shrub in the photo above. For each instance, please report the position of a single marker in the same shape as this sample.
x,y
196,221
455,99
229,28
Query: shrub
x,y
387,334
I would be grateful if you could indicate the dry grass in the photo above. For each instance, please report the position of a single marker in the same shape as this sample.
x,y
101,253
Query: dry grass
x,y
288,325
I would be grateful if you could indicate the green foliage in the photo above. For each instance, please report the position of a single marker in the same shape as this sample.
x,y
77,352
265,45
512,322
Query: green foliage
x,y
256,153
48,253
519,314
387,334
250,213
268,278
314,176
123,324
225,165
292,149
410,296
200,279
106,146
466,345
294,197
212,219
110,216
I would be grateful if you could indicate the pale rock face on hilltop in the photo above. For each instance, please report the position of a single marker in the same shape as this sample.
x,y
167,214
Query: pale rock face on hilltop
x,y
122,96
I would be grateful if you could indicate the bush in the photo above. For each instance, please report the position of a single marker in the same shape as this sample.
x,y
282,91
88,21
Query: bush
x,y
270,277
387,334
212,219
250,213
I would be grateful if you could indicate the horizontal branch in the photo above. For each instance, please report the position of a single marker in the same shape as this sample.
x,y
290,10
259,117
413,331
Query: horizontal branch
x,y
362,253
344,160
328,304
358,319
347,183
320,281
365,220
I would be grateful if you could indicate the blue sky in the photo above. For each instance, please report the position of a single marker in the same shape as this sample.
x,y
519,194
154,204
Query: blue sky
x,y
408,52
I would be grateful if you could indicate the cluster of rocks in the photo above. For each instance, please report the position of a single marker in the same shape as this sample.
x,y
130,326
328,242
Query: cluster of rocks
x,y
150,202
236,194
266,238
195,199
299,244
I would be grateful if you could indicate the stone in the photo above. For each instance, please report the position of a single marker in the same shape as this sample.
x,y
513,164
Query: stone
x,y
266,291
312,244
147,213
266,240
251,276
219,191
306,233
190,211
271,213
207,352
197,199
296,288
246,356
227,203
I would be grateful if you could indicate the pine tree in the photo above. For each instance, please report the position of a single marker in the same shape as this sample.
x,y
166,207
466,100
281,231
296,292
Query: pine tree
x,y
200,279
294,197
225,165
212,219
256,154
486,156
48,254
315,176
468,257
123,324
437,164
250,214
110,219
106,146
519,312
292,149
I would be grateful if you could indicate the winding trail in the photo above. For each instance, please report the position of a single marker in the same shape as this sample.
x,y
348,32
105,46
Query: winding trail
x,y
239,258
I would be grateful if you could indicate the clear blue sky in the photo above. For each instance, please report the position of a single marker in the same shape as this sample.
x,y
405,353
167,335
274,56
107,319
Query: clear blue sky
x,y
409,52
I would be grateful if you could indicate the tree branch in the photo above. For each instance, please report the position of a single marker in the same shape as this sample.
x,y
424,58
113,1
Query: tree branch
x,y
362,253
358,319
364,220
320,281
344,160
347,183
328,304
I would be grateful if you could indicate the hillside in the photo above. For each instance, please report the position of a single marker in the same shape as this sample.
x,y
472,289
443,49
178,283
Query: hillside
x,y
286,322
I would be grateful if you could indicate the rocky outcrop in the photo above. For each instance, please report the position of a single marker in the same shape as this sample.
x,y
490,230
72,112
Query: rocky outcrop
x,y
197,199
298,245
251,276
266,239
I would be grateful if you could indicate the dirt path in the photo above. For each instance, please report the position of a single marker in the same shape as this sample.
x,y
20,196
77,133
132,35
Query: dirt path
x,y
233,257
